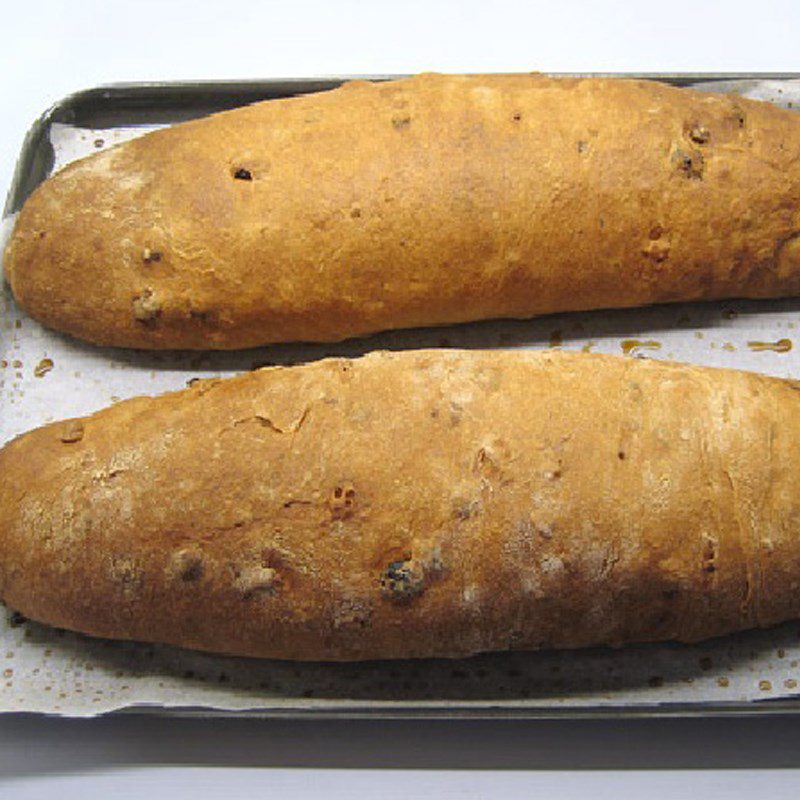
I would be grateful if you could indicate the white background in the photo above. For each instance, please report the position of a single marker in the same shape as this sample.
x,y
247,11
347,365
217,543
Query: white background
x,y
48,49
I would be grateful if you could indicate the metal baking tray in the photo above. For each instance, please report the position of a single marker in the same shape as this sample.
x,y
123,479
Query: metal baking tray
x,y
45,376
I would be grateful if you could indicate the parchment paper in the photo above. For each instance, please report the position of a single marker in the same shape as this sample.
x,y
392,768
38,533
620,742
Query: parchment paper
x,y
46,376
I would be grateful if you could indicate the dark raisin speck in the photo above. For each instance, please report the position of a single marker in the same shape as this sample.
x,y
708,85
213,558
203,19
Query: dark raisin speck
x,y
193,571
690,164
699,134
402,580
243,174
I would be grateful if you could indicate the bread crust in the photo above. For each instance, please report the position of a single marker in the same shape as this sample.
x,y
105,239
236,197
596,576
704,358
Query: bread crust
x,y
426,503
423,201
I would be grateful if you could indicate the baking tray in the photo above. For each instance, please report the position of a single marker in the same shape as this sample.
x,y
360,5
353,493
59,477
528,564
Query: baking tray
x,y
44,376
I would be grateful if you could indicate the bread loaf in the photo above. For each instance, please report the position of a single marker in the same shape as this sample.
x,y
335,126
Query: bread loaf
x,y
429,503
423,201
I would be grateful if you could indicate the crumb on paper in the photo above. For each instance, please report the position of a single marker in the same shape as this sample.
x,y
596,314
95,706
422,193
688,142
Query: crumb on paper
x,y
629,346
781,346
43,367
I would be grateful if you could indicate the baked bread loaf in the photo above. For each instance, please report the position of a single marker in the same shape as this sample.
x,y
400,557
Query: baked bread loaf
x,y
423,201
428,503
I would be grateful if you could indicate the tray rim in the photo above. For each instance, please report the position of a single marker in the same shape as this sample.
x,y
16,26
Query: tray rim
x,y
776,708
36,138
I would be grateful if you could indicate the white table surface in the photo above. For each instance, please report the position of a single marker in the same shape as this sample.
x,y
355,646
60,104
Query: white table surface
x,y
52,48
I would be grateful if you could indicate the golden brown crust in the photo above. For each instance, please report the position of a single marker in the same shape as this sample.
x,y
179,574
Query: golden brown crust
x,y
429,200
430,503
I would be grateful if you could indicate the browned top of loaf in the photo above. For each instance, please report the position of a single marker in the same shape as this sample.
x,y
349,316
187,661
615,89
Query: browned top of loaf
x,y
415,504
429,200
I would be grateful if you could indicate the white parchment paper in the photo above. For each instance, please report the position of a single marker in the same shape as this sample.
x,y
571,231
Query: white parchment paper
x,y
46,376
